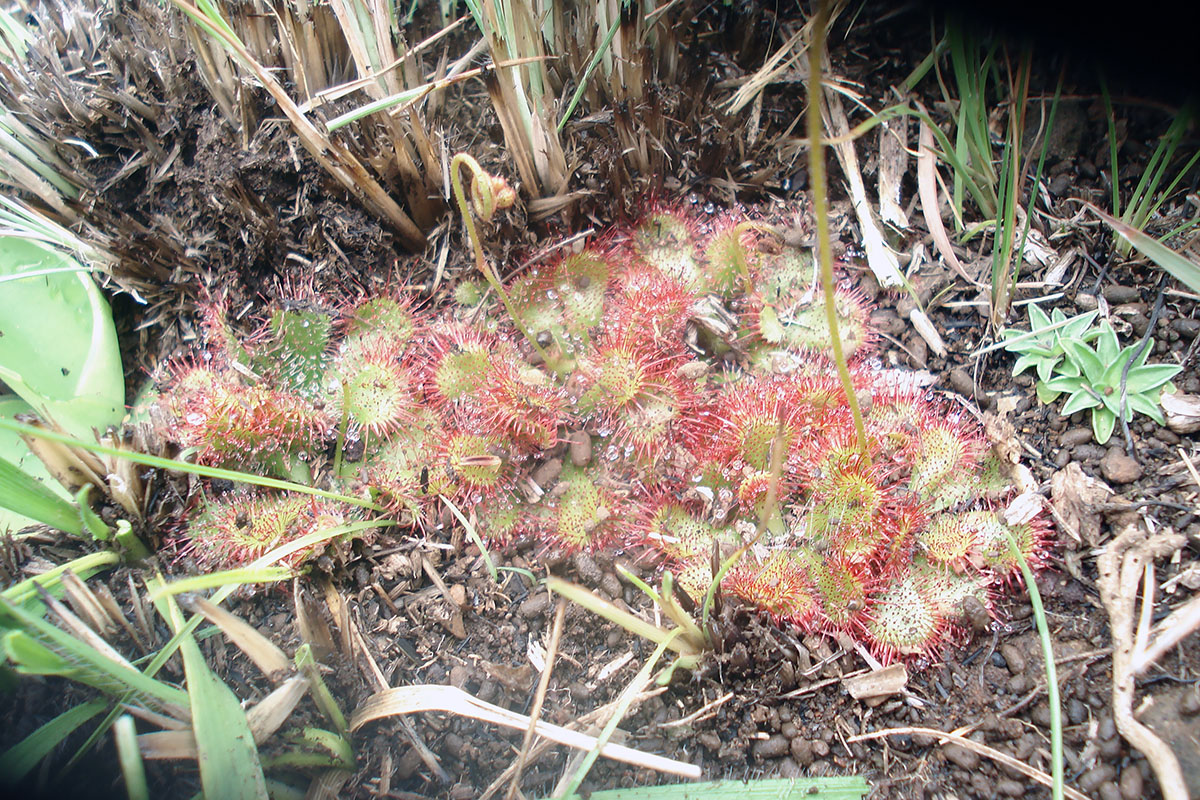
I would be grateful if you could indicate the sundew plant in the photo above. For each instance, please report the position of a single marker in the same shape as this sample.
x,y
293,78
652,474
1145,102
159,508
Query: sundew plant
x,y
654,391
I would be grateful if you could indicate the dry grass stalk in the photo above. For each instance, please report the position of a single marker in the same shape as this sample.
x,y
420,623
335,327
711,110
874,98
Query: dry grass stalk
x,y
332,156
538,699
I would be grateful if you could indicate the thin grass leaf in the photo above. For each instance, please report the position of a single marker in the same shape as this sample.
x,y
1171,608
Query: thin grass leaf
x,y
36,646
227,754
31,498
185,467
133,771
836,788
1176,264
25,593
22,757
235,578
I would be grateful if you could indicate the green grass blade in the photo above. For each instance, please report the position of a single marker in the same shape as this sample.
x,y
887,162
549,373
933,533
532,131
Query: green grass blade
x,y
130,759
848,788
211,580
229,763
1176,264
25,593
35,645
587,73
22,757
1111,118
1039,615
31,498
183,466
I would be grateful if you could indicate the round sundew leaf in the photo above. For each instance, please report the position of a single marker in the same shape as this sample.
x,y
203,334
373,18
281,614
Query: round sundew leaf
x,y
581,281
579,511
664,241
384,315
903,621
948,539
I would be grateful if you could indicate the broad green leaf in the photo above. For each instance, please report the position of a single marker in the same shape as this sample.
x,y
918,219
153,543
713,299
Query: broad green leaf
x,y
1150,377
19,759
1079,401
1112,373
1103,422
59,349
1045,367
30,498
1107,345
1045,394
1063,383
1086,359
1038,318
1148,406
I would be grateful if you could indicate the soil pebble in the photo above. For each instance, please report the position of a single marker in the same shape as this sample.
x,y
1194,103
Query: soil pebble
x,y
1131,783
1120,468
802,751
774,747
1013,658
1090,781
1121,294
1075,437
1010,788
967,759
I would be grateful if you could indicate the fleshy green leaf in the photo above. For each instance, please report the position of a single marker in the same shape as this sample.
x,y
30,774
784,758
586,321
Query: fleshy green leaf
x,y
1150,377
1103,422
1145,405
1045,394
1063,383
1079,401
1107,345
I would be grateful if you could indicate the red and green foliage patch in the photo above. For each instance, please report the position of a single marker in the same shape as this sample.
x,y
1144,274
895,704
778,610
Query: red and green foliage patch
x,y
664,394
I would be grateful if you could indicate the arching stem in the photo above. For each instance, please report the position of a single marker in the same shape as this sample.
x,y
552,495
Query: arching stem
x,y
488,193
816,171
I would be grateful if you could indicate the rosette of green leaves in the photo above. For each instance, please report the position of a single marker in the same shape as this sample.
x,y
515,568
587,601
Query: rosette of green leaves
x,y
1091,378
1041,346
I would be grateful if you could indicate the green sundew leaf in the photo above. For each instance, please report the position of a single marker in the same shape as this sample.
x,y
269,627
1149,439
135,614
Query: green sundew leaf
x,y
35,644
228,757
1086,359
769,326
19,759
59,349
299,351
1103,422
1148,406
1038,318
1150,377
1045,367
1079,401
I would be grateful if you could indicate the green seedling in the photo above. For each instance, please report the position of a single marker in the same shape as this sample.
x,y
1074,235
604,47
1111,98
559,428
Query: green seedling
x,y
1112,381
1041,347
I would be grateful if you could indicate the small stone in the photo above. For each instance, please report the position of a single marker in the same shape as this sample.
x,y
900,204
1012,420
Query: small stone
x,y
1108,791
1121,294
1018,684
961,382
820,749
967,759
1111,749
710,741
535,606
1075,437
1013,657
1041,715
1186,328
459,675
1090,781
1132,783
1087,302
1107,728
1166,436
802,751
1062,458
1076,711
580,448
1190,705
1088,453
1119,468
1060,184
1010,788
775,747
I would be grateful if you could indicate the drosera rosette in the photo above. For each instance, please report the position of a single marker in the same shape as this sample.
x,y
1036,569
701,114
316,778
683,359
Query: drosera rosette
x,y
714,420
241,526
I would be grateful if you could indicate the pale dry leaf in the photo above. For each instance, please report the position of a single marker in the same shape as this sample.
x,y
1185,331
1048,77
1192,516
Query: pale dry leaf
x,y
1023,508
877,683
928,332
1182,412
1075,496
